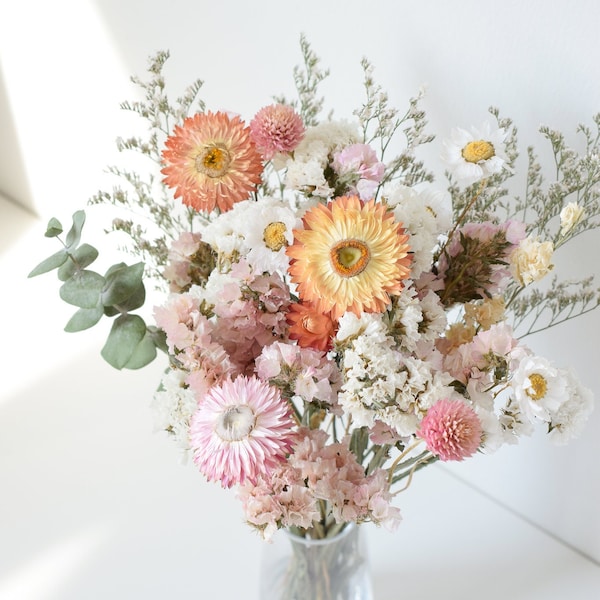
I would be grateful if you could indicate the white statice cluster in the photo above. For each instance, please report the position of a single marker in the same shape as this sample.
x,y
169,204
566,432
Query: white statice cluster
x,y
380,382
173,405
425,214
417,321
305,169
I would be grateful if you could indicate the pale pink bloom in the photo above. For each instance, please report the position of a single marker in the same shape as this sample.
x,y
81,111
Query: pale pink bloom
x,y
177,272
306,371
360,162
382,433
276,128
241,430
451,429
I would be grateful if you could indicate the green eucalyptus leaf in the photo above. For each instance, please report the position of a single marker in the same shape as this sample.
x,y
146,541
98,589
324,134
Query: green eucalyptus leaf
x,y
84,318
83,289
159,337
122,282
52,262
144,353
126,334
54,228
74,234
81,258
111,311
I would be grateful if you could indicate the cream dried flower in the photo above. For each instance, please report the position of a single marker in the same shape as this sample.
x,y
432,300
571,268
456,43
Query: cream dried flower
x,y
531,260
570,215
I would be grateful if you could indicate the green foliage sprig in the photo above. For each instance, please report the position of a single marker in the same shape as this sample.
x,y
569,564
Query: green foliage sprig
x,y
131,343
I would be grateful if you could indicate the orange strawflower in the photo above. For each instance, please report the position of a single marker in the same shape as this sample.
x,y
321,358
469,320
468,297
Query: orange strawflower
x,y
350,256
309,327
211,161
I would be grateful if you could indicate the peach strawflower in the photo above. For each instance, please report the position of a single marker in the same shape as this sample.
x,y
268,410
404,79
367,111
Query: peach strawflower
x,y
350,256
276,128
211,161
451,429
311,328
242,429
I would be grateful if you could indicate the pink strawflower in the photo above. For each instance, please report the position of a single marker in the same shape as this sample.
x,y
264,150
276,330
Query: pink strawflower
x,y
451,429
276,128
241,430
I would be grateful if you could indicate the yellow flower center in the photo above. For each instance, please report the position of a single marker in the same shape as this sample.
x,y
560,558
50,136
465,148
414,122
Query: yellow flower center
x,y
274,236
213,161
538,388
235,424
477,151
350,257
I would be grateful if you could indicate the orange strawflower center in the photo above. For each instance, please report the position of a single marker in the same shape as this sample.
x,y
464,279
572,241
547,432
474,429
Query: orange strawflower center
x,y
477,151
274,236
213,161
539,386
349,257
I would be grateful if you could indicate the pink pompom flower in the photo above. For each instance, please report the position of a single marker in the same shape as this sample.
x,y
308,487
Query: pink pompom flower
x,y
276,128
241,430
451,429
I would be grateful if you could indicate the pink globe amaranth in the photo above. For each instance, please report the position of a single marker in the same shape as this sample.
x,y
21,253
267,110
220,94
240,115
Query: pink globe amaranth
x,y
276,128
451,429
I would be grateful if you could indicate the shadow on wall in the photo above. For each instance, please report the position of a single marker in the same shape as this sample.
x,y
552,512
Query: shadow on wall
x,y
13,179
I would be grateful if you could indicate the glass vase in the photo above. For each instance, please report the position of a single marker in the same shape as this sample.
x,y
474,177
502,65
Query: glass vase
x,y
336,568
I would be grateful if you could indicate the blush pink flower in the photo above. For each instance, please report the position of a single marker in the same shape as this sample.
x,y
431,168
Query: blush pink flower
x,y
451,429
276,128
361,163
242,430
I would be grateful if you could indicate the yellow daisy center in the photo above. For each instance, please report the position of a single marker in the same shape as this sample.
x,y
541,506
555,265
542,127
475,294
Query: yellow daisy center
x,y
349,257
213,161
274,236
539,386
235,423
477,151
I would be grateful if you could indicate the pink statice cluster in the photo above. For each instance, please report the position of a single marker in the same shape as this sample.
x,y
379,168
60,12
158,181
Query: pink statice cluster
x,y
250,314
319,472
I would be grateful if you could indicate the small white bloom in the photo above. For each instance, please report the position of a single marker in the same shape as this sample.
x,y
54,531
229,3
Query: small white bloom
x,y
568,421
475,155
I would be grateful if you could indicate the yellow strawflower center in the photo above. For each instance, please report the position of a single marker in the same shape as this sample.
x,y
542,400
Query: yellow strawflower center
x,y
213,161
274,236
349,257
538,388
235,424
477,151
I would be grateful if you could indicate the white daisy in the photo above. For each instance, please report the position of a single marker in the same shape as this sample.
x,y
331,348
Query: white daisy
x,y
539,388
267,230
475,155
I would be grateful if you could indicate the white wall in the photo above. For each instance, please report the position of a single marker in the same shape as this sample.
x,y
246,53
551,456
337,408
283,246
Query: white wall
x,y
65,66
